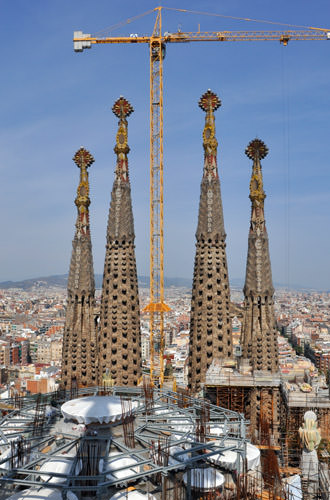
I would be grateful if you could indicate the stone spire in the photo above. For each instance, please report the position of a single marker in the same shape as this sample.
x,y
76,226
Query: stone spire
x,y
210,323
259,338
79,339
120,340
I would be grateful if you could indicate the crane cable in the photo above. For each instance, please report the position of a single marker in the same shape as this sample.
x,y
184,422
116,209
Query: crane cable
x,y
245,19
286,151
107,31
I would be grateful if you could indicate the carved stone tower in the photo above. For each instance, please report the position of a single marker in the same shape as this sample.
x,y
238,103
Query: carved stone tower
x,y
120,340
79,339
259,333
210,323
259,337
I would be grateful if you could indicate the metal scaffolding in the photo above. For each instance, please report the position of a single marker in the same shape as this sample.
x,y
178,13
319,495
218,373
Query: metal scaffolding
x,y
155,445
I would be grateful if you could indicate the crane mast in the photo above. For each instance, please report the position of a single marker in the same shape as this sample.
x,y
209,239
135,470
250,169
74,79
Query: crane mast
x,y
156,306
157,42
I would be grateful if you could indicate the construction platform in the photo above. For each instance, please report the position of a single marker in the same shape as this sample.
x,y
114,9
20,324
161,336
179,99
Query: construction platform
x,y
159,445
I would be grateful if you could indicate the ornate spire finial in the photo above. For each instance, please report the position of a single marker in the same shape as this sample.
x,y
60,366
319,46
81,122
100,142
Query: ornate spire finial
x,y
210,102
83,159
122,108
256,151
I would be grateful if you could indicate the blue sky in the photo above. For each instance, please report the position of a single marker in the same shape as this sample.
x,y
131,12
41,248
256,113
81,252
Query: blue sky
x,y
54,100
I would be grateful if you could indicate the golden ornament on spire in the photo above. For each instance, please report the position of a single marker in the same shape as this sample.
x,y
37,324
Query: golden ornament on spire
x,y
122,108
209,102
83,159
256,150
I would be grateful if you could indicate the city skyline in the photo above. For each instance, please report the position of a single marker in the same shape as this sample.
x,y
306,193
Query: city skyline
x,y
56,101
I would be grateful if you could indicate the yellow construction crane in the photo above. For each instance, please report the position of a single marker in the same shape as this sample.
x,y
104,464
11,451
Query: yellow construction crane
x,y
157,42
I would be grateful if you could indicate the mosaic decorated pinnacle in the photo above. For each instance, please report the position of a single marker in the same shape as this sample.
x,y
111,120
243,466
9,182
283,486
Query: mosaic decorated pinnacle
x,y
256,149
209,101
122,108
83,158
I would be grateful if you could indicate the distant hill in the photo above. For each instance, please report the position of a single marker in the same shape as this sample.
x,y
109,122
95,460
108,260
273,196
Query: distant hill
x,y
60,280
